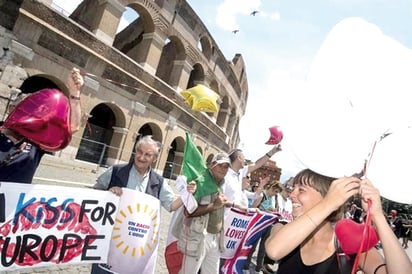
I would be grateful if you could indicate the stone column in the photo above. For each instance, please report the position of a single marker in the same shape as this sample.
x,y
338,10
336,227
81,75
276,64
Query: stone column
x,y
177,163
147,53
223,117
183,78
118,138
102,17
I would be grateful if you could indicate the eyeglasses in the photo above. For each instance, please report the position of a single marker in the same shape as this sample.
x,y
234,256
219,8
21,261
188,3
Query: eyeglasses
x,y
146,155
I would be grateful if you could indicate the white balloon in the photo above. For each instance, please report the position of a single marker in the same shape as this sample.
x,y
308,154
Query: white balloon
x,y
370,69
325,135
357,89
390,164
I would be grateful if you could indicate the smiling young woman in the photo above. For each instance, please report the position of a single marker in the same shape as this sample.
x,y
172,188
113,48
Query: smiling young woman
x,y
308,243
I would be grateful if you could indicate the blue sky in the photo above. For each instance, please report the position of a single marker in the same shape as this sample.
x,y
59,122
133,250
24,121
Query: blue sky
x,y
279,45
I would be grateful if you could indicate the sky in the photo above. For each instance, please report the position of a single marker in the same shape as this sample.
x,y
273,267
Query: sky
x,y
279,45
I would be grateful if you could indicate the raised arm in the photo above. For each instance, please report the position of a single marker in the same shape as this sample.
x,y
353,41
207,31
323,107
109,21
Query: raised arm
x,y
397,261
262,160
74,83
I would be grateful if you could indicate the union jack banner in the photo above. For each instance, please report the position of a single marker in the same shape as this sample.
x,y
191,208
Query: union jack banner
x,y
258,225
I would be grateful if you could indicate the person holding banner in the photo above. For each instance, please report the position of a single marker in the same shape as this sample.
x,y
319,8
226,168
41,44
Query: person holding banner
x,y
308,243
20,154
139,175
200,238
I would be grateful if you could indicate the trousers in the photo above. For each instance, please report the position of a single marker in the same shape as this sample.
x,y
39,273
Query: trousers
x,y
208,261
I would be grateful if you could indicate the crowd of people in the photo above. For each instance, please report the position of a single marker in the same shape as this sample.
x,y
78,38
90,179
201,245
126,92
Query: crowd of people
x,y
304,243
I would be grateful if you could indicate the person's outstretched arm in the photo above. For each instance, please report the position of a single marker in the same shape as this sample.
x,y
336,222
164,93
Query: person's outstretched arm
x,y
262,160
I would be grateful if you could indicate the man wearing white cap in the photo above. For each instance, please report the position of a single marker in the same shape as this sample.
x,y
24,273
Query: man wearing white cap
x,y
200,236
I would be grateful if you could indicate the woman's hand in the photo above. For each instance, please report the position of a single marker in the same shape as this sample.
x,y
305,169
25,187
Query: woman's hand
x,y
341,190
369,192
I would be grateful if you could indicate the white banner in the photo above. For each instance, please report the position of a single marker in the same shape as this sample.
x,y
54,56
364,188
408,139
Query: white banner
x,y
234,229
135,237
44,225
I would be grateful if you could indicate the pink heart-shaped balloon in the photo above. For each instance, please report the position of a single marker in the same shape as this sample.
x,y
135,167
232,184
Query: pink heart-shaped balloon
x,y
276,135
350,233
43,118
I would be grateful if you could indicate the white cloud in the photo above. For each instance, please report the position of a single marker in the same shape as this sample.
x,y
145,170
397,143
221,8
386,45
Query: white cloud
x,y
275,16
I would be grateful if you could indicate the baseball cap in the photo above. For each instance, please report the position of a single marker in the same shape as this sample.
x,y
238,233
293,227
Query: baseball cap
x,y
221,158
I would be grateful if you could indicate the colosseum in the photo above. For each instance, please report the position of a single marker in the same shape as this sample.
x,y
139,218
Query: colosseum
x,y
133,78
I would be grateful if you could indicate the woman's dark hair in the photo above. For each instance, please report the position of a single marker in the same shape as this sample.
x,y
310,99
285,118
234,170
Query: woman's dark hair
x,y
321,184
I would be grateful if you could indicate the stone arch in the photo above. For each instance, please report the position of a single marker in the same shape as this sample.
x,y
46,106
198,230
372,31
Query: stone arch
x,y
151,129
222,117
200,149
209,158
235,135
101,142
173,54
40,81
197,76
100,17
173,165
214,85
205,46
130,40
232,121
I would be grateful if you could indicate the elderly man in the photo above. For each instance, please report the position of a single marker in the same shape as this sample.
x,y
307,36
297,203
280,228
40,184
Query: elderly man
x,y
139,175
200,236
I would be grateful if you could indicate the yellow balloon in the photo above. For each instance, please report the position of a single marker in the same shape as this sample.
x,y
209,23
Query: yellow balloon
x,y
201,98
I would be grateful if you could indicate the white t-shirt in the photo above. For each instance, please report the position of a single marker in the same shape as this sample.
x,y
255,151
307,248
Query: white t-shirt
x,y
232,188
285,207
248,196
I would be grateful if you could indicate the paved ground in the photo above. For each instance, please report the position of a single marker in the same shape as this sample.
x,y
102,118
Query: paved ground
x,y
54,170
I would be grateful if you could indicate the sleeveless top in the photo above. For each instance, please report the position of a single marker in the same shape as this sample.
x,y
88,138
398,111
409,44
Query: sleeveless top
x,y
293,264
